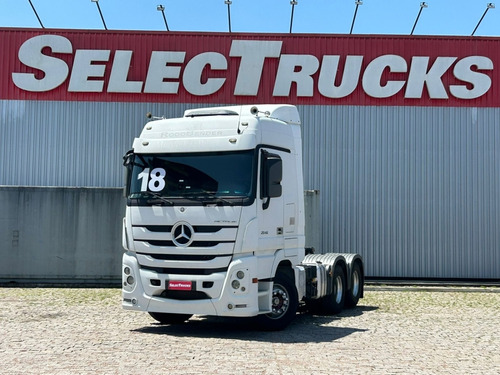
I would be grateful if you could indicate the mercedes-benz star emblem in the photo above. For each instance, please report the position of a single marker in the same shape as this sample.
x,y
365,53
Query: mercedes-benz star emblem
x,y
182,234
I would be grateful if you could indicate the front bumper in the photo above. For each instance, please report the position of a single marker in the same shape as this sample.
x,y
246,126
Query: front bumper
x,y
231,293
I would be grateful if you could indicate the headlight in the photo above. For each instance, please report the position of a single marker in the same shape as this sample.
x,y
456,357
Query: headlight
x,y
235,284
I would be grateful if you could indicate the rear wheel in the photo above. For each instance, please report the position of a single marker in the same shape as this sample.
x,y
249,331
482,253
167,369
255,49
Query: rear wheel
x,y
167,318
334,303
284,304
354,293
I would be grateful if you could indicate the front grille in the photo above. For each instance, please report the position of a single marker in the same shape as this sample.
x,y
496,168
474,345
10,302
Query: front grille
x,y
194,244
197,228
184,271
181,257
207,254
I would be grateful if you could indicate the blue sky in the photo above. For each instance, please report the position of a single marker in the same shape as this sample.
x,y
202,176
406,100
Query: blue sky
x,y
442,17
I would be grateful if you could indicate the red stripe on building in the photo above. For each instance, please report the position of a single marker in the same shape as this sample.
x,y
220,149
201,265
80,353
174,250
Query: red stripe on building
x,y
131,66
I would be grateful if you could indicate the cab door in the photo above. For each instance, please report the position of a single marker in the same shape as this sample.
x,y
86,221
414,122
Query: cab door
x,y
270,203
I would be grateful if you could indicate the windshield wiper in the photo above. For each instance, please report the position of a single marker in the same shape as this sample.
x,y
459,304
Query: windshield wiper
x,y
208,197
156,198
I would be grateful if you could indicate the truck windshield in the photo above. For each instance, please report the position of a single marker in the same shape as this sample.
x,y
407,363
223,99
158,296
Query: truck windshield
x,y
222,178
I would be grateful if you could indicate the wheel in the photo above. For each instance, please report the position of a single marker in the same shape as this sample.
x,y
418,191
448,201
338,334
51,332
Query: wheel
x,y
334,303
284,304
354,294
166,318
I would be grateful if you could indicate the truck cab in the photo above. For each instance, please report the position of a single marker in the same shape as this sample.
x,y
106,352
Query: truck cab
x,y
214,222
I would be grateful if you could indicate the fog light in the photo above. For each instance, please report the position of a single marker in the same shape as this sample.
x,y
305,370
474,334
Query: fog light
x,y
126,270
240,274
235,284
130,280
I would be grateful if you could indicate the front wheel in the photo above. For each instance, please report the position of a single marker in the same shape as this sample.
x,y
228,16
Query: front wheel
x,y
166,318
284,304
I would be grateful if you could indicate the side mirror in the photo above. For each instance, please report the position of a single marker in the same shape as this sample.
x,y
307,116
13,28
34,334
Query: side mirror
x,y
271,176
128,158
128,163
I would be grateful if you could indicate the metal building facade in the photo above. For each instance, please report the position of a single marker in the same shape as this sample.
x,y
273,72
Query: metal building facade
x,y
413,188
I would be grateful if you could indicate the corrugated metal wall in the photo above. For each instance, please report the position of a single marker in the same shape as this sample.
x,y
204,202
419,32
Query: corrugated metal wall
x,y
413,189
70,143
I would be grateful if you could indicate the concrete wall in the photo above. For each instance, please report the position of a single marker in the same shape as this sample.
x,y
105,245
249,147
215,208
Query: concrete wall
x,y
63,235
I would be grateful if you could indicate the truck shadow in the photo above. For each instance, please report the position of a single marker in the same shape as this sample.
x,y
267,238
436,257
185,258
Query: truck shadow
x,y
306,327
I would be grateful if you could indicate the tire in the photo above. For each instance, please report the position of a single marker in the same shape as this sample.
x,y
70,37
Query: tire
x,y
354,293
334,303
166,318
284,304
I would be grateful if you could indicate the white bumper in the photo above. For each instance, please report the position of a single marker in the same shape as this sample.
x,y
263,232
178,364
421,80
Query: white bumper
x,y
225,293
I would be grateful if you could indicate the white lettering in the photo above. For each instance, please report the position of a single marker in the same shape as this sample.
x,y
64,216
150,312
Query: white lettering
x,y
55,70
373,76
288,73
328,74
159,70
83,69
480,82
119,73
193,73
208,72
419,75
253,54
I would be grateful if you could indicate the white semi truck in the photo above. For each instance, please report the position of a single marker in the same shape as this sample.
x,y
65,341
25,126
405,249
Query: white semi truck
x,y
214,222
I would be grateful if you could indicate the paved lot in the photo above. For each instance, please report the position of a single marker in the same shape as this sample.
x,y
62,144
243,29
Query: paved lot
x,y
395,331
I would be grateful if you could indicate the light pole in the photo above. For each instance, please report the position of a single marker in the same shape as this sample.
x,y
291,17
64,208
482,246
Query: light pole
x,y
293,3
488,7
228,3
161,9
99,9
422,6
358,3
36,14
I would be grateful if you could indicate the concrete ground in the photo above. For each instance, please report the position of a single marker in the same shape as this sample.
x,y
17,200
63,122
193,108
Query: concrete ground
x,y
394,330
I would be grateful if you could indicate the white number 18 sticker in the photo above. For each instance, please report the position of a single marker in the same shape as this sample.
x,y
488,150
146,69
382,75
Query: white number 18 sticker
x,y
155,180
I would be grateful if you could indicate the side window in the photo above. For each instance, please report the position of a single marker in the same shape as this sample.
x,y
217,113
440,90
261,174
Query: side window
x,y
271,176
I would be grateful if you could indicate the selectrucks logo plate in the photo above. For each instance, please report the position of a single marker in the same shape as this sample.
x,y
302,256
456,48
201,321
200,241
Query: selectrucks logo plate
x,y
135,67
179,285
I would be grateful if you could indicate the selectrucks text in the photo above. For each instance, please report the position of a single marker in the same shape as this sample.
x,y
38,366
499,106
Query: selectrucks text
x,y
215,224
206,73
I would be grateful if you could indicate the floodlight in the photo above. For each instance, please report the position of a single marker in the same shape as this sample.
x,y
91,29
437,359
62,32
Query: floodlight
x,y
161,9
422,6
488,7
99,9
292,3
228,3
358,3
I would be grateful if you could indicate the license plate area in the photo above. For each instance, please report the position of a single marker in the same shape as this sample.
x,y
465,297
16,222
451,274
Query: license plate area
x,y
180,285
